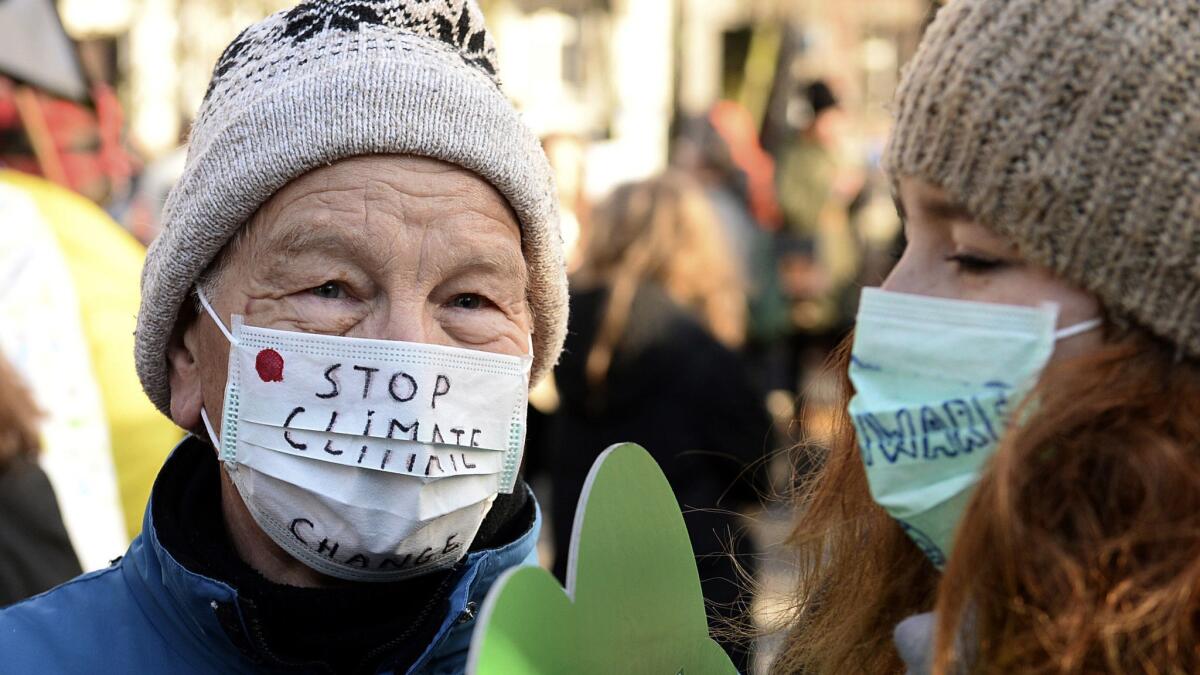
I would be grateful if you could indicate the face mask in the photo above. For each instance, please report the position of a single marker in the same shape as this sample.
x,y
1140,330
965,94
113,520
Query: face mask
x,y
369,460
935,382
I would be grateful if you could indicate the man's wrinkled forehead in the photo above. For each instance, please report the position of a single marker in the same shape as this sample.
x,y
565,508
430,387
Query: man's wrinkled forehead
x,y
451,215
303,240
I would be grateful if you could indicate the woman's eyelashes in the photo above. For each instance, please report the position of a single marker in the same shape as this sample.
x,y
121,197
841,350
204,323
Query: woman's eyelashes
x,y
972,263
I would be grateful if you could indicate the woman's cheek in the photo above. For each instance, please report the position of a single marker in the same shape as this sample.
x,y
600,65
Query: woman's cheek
x,y
1001,286
1013,286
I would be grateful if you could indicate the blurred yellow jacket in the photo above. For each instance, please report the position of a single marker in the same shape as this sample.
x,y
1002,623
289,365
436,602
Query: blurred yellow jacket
x,y
106,265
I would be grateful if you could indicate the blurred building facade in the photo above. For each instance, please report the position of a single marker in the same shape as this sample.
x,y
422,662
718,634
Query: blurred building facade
x,y
617,73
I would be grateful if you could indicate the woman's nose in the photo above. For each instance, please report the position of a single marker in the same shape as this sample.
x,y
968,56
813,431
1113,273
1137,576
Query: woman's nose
x,y
914,274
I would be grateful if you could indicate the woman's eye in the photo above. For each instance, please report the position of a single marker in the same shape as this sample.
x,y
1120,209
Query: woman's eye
x,y
468,301
973,264
330,290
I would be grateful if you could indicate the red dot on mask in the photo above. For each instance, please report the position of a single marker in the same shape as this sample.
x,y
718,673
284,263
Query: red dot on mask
x,y
269,365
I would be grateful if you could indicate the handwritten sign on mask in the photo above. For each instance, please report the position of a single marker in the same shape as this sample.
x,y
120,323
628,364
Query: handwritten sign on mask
x,y
370,459
419,410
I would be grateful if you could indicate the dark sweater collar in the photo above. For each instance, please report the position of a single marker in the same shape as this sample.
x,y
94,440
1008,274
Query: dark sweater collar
x,y
345,629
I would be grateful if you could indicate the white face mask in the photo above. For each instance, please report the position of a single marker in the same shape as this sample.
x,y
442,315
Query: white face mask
x,y
369,460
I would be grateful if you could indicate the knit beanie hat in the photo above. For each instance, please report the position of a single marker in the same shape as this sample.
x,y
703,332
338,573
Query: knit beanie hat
x,y
332,79
1071,127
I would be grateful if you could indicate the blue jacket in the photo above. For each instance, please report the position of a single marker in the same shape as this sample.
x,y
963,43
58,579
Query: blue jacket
x,y
148,614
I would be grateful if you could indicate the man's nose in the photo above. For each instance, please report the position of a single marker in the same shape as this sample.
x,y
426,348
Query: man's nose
x,y
407,320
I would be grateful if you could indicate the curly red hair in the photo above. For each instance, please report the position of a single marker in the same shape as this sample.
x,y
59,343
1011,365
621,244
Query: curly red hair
x,y
1079,551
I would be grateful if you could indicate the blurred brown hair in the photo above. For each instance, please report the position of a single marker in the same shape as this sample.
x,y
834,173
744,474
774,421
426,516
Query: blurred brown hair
x,y
662,230
1079,552
18,417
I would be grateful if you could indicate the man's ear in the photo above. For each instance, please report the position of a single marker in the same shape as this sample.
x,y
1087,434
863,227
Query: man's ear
x,y
187,395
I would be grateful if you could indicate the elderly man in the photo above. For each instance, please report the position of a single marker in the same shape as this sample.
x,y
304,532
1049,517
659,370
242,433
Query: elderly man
x,y
359,277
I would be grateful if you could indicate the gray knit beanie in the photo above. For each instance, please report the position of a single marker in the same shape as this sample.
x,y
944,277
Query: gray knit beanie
x,y
1073,128
332,79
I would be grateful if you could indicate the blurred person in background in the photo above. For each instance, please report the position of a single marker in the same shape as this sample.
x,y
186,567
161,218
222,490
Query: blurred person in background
x,y
35,551
344,211
809,164
1014,486
657,313
720,150
75,145
818,249
43,332
59,117
103,263
76,275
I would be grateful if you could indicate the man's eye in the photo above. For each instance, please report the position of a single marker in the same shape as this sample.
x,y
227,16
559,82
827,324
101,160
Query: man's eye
x,y
973,264
330,290
468,301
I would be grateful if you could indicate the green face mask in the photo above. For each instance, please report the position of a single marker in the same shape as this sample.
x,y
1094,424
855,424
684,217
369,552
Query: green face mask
x,y
935,382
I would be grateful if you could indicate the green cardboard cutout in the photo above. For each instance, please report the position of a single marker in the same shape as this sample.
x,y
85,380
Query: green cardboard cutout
x,y
632,603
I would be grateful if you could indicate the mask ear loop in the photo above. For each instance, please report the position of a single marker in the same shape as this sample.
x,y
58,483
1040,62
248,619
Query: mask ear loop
x,y
212,435
213,313
1078,329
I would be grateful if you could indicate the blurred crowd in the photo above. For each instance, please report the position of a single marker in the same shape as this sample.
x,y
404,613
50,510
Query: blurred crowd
x,y
994,471
704,298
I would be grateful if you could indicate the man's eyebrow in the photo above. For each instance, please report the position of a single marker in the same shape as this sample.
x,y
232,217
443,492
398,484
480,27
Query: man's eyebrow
x,y
496,261
300,238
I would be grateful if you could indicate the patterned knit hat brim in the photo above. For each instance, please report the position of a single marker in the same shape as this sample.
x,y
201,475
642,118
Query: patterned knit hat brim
x,y
330,80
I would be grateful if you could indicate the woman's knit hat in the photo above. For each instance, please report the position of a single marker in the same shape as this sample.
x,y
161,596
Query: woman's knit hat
x,y
331,79
1073,128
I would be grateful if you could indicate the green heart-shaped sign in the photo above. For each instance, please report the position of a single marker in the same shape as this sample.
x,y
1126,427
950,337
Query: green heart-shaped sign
x,y
633,602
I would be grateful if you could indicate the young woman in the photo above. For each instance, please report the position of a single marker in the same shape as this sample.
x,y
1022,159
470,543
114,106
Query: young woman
x,y
1020,453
